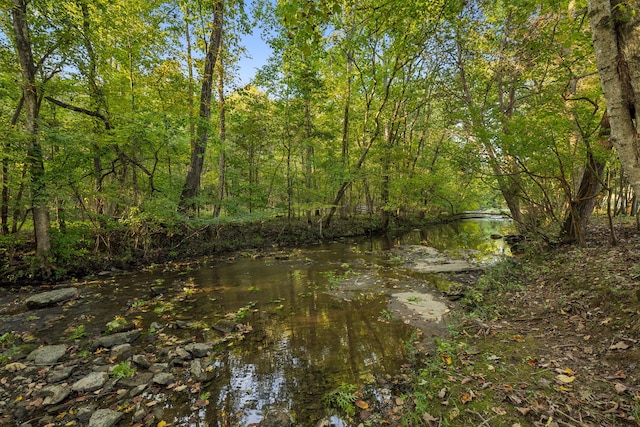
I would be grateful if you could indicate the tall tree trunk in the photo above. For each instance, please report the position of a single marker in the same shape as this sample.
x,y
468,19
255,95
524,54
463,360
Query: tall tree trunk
x,y
40,210
615,28
308,155
194,171
4,204
581,207
222,159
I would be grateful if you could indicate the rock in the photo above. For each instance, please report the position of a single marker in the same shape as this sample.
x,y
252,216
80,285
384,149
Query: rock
x,y
60,373
85,413
137,390
109,341
50,298
164,378
139,414
155,326
122,352
141,360
158,367
54,394
225,326
139,379
198,349
48,354
91,382
197,371
105,418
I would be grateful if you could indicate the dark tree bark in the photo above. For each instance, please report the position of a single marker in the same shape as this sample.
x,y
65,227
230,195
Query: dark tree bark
x,y
581,207
194,171
40,209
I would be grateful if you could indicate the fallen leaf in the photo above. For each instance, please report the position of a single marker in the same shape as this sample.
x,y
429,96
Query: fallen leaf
x,y
517,338
433,422
565,378
442,393
466,398
620,345
620,388
361,404
498,410
162,423
620,375
523,411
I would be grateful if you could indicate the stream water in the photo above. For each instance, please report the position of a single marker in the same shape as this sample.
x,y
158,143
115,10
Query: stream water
x,y
308,336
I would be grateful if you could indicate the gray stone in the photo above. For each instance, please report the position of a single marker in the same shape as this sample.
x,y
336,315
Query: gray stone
x,y
225,326
141,360
181,353
60,373
164,378
140,378
198,349
122,352
54,394
109,341
48,354
91,382
139,415
197,371
158,367
50,298
85,413
105,418
137,390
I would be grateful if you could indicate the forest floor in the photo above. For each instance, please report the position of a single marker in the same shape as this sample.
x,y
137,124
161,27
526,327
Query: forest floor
x,y
545,339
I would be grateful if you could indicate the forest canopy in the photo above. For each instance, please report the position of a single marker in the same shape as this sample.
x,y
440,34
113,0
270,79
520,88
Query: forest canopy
x,y
129,114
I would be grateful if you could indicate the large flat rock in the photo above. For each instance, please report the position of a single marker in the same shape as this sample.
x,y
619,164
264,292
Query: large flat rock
x,y
443,265
49,298
423,305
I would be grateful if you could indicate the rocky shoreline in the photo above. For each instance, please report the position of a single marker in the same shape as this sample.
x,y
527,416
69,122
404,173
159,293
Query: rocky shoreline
x,y
116,377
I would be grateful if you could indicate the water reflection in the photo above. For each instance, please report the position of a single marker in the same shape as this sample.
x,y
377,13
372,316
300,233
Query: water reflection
x,y
306,342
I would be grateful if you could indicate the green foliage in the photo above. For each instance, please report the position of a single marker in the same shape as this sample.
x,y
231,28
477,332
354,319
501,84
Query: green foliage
x,y
123,370
115,324
342,398
77,332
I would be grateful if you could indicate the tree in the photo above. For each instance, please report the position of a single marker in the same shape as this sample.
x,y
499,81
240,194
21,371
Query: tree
x,y
615,28
194,171
39,199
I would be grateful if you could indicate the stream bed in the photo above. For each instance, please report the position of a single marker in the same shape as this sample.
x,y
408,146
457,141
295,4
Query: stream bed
x,y
287,327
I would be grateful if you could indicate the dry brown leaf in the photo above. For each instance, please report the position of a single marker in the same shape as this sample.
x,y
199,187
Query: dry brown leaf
x,y
443,393
620,345
523,411
620,388
431,421
499,410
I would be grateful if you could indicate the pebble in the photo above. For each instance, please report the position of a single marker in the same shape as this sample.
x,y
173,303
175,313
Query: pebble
x,y
91,382
198,349
105,418
164,378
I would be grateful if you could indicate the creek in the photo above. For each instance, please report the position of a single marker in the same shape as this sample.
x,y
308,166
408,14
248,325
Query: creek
x,y
316,317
